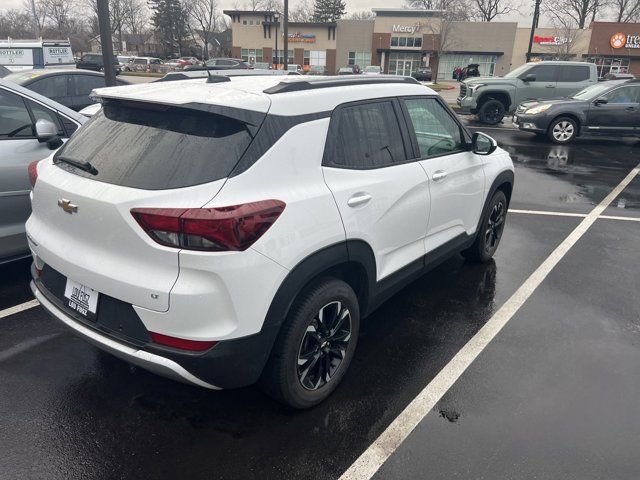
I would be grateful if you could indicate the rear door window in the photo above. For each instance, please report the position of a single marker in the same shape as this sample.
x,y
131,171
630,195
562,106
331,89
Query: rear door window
x,y
365,136
157,148
51,87
574,74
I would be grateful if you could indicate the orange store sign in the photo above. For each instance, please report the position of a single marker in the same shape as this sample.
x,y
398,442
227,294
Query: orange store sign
x,y
624,40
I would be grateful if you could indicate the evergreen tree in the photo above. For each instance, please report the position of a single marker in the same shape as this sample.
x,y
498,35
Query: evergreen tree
x,y
328,10
170,20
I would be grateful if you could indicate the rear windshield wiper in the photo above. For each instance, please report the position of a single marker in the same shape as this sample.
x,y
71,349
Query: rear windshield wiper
x,y
86,166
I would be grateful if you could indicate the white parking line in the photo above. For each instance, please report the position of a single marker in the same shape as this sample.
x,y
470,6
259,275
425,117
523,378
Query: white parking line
x,y
569,214
19,308
383,447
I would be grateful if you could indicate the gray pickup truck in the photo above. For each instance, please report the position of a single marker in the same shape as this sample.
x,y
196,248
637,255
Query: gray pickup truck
x,y
491,98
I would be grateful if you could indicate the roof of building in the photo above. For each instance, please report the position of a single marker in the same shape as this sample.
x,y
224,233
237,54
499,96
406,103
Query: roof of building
x,y
406,12
249,92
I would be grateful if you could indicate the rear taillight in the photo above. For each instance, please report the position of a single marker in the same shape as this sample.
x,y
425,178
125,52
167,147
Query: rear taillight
x,y
218,229
33,172
181,343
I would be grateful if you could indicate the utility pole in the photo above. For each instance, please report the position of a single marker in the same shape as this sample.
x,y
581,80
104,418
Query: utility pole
x,y
36,28
104,24
286,34
534,25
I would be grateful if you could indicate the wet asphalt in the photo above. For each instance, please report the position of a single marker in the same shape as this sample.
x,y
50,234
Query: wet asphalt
x,y
554,395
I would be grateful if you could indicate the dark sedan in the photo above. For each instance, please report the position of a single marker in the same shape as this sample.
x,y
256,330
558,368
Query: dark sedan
x,y
422,74
71,88
607,108
94,61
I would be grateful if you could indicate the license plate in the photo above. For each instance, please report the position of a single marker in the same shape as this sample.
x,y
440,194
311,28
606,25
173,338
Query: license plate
x,y
81,299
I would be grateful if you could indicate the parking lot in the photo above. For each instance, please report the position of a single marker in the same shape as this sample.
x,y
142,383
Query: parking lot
x,y
551,389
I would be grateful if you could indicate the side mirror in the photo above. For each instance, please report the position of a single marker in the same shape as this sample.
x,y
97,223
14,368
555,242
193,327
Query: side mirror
x,y
529,77
482,144
47,132
601,101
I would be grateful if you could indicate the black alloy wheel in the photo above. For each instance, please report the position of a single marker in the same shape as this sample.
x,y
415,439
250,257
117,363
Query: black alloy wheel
x,y
324,345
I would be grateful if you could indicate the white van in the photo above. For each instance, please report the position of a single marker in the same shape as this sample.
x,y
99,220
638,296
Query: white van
x,y
19,55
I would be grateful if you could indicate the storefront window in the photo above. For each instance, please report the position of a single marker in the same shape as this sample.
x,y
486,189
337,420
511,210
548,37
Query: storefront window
x,y
318,57
252,55
606,65
362,59
404,63
409,42
306,58
448,63
281,56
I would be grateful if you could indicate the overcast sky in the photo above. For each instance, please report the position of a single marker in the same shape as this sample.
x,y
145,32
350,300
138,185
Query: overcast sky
x,y
524,18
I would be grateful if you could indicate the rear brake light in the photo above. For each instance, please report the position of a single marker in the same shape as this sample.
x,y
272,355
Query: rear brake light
x,y
182,343
33,172
219,229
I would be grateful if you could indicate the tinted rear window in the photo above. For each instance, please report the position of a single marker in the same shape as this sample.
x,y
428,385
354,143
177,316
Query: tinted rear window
x,y
157,149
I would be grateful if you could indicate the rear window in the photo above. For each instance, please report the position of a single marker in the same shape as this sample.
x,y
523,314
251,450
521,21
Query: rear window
x,y
163,148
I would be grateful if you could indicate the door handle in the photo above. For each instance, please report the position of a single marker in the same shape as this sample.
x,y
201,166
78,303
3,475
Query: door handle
x,y
551,86
630,109
358,199
439,176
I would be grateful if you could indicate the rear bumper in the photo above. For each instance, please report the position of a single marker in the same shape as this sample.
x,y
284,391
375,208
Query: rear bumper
x,y
230,364
149,361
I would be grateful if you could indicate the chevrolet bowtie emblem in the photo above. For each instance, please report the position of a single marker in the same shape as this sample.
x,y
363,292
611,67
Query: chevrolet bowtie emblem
x,y
67,206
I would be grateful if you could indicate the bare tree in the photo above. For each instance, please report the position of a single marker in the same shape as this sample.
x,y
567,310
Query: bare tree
x,y
41,12
204,17
626,10
303,12
16,24
59,13
578,11
452,10
136,17
566,35
362,15
487,10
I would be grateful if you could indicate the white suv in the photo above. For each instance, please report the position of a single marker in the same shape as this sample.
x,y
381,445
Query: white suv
x,y
229,232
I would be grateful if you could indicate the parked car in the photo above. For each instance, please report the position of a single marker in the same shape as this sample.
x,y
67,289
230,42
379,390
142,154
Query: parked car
x,y
262,65
422,74
619,76
606,108
4,71
93,61
230,275
71,88
295,68
493,97
221,64
372,70
221,74
346,71
318,70
123,61
31,126
145,64
470,71
185,61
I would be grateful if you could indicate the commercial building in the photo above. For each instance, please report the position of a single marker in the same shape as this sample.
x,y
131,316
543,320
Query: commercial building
x,y
615,47
400,40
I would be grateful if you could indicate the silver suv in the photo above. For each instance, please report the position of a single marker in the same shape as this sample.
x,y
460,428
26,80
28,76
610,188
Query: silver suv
x,y
31,126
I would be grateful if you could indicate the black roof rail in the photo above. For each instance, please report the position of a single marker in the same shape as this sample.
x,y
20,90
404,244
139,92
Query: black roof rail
x,y
310,84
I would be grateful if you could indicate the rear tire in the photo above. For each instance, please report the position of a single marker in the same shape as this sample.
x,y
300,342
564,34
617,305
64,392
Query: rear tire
x,y
315,345
563,130
490,231
491,112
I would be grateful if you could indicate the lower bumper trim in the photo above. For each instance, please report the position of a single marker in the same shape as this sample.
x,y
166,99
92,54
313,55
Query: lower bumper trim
x,y
149,361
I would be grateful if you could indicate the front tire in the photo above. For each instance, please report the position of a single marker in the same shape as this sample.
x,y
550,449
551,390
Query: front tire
x,y
563,130
315,346
490,232
491,112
